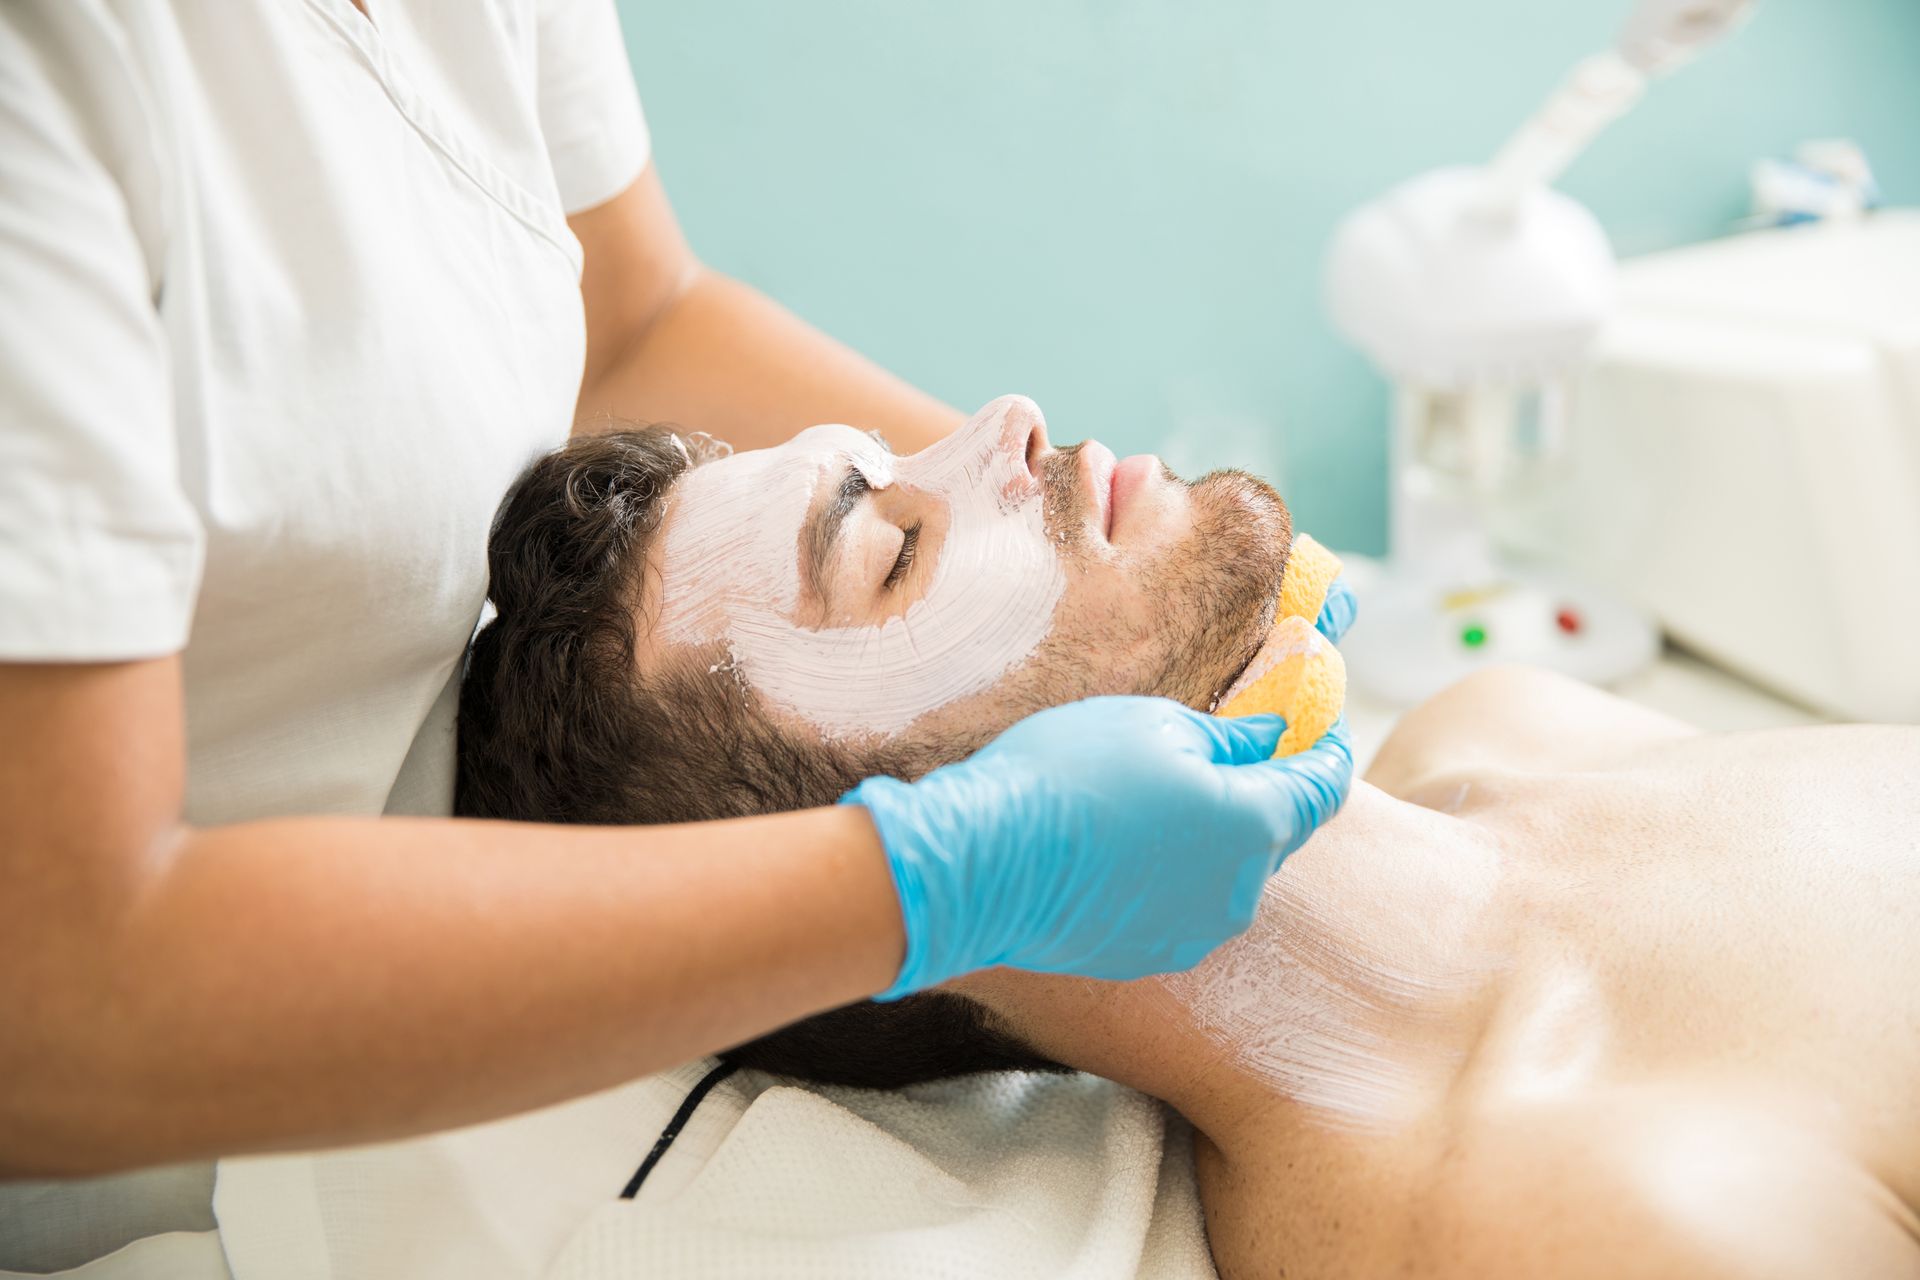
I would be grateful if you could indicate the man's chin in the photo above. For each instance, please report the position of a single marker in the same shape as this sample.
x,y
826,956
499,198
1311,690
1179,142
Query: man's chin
x,y
1247,514
1242,533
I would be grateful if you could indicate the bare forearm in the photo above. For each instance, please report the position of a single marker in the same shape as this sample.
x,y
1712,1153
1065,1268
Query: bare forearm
x,y
724,359
321,981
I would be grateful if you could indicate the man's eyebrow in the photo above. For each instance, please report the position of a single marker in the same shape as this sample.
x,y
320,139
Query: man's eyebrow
x,y
823,530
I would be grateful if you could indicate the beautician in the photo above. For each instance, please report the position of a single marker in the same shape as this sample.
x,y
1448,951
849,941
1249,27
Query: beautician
x,y
290,290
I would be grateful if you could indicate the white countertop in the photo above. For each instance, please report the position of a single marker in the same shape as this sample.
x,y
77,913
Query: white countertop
x,y
1677,683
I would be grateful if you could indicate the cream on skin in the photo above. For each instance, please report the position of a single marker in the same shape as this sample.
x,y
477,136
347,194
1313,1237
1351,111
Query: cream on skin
x,y
1356,995
977,578
1343,994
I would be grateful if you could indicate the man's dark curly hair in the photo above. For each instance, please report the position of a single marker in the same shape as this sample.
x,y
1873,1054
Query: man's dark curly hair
x,y
558,724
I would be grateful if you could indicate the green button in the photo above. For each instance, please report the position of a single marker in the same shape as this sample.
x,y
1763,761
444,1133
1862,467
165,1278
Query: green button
x,y
1474,636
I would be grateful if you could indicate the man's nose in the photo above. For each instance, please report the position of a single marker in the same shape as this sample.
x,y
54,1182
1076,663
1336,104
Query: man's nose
x,y
1018,431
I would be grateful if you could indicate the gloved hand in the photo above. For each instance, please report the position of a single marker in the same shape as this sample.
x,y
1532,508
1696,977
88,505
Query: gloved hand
x,y
1336,614
1111,838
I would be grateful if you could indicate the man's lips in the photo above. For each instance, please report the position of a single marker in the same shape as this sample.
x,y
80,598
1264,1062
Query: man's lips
x,y
1100,464
1112,483
1129,478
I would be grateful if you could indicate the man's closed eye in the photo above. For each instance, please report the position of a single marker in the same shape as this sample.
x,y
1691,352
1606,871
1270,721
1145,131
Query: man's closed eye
x,y
909,546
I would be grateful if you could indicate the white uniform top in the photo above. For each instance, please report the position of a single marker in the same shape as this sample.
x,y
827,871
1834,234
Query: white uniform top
x,y
287,298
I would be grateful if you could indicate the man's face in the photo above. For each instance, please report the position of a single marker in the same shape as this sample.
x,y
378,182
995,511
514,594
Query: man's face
x,y
941,596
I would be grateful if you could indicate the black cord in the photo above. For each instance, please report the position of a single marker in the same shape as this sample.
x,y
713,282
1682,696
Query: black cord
x,y
687,1107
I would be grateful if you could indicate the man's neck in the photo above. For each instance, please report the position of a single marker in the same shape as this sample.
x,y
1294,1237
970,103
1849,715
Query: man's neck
x,y
1351,1003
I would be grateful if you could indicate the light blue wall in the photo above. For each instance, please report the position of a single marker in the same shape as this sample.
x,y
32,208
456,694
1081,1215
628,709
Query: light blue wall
x,y
1119,206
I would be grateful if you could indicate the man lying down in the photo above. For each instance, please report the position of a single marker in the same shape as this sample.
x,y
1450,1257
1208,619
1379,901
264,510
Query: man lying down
x,y
1567,989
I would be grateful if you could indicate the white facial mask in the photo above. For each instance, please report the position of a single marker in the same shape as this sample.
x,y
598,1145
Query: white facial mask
x,y
731,569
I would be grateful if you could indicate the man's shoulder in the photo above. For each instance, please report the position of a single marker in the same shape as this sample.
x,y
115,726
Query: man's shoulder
x,y
1520,720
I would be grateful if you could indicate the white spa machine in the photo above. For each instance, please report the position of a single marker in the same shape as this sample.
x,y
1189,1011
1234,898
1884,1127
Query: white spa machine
x,y
1479,293
1742,459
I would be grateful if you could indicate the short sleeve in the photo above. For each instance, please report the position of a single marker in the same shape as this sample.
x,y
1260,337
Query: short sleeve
x,y
590,113
100,549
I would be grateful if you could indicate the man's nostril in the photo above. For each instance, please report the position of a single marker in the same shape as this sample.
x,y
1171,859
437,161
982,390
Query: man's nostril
x,y
1036,445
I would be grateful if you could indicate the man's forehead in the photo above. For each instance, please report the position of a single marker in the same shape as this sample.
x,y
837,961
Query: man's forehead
x,y
837,437
801,461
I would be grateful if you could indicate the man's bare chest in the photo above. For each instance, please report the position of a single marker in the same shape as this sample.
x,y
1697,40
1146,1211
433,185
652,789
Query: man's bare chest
x,y
1732,911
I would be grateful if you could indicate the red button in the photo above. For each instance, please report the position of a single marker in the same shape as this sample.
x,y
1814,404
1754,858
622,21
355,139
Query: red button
x,y
1568,621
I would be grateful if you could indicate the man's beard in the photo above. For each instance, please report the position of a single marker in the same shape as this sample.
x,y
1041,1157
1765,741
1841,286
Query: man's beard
x,y
1212,594
1222,584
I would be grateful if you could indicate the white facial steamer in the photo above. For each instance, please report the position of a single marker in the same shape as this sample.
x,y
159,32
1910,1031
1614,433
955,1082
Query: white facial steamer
x,y
1477,291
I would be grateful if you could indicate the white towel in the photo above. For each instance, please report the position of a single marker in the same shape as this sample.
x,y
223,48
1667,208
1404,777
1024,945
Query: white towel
x,y
1001,1175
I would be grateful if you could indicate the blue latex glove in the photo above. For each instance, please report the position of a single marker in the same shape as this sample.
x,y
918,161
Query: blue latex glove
x,y
1111,838
1336,614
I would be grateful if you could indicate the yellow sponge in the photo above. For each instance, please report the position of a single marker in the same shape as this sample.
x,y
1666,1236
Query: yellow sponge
x,y
1297,672
1311,569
